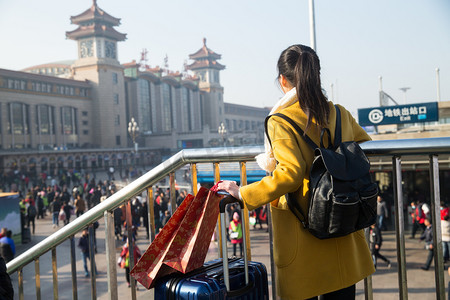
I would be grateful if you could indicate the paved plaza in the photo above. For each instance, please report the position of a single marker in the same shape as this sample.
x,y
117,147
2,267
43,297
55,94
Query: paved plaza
x,y
421,284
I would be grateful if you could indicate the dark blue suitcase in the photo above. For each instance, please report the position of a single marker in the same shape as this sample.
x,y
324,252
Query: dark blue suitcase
x,y
208,283
218,279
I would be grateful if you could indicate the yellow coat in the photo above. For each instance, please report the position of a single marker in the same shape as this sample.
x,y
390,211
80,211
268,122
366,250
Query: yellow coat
x,y
306,266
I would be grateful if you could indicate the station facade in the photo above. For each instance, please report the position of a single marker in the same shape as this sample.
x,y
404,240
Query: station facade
x,y
74,114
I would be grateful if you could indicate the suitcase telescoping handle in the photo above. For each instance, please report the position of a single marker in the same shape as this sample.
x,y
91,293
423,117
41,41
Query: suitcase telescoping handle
x,y
223,203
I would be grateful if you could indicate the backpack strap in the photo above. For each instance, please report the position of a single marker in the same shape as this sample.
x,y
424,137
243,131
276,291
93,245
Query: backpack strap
x,y
294,206
299,130
338,130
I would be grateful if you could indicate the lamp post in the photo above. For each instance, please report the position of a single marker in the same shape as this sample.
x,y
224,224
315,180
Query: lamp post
x,y
222,131
133,130
438,85
312,25
405,89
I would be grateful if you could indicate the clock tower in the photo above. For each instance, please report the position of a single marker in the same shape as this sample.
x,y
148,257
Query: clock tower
x,y
98,63
206,67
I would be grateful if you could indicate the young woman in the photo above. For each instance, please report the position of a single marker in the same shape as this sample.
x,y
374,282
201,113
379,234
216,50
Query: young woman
x,y
306,266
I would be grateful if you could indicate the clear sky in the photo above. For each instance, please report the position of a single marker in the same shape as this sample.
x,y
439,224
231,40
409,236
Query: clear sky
x,y
403,41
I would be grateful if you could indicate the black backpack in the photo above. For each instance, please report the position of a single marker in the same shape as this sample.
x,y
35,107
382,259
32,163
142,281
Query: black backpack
x,y
31,211
342,195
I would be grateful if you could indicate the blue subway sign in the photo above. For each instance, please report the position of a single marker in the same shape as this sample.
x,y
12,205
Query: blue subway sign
x,y
399,114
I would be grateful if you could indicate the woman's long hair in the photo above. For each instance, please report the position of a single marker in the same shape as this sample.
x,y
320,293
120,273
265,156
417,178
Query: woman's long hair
x,y
301,67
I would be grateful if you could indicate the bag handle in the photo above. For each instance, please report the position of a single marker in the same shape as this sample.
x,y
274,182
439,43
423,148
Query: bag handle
x,y
248,285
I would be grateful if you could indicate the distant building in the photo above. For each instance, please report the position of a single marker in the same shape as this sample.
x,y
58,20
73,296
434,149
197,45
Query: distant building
x,y
74,114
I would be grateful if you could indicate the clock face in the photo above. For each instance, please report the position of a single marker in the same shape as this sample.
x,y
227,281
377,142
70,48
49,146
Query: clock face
x,y
110,49
86,48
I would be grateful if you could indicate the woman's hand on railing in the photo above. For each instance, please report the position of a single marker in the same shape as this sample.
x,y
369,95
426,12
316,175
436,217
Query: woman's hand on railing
x,y
230,187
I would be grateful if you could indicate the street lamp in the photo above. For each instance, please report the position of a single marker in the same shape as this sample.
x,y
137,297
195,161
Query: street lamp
x,y
133,130
222,131
405,89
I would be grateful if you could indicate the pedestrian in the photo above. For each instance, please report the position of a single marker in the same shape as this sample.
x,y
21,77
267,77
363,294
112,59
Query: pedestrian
x,y
158,211
445,229
6,288
7,247
125,257
3,232
40,204
235,232
427,237
145,218
68,209
181,197
118,222
80,205
257,216
419,218
50,194
376,240
31,215
83,243
65,195
444,210
55,207
166,218
306,266
382,213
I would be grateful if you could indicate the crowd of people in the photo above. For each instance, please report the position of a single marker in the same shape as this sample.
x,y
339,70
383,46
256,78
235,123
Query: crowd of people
x,y
58,199
419,211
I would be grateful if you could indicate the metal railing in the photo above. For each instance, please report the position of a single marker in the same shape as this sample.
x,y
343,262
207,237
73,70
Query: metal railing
x,y
393,148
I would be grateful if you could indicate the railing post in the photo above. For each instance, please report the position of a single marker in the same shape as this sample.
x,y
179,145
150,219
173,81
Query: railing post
x,y
272,261
55,274
151,221
130,247
73,264
92,261
436,221
399,224
151,213
173,200
219,224
37,272
243,176
110,241
194,179
20,279
368,290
